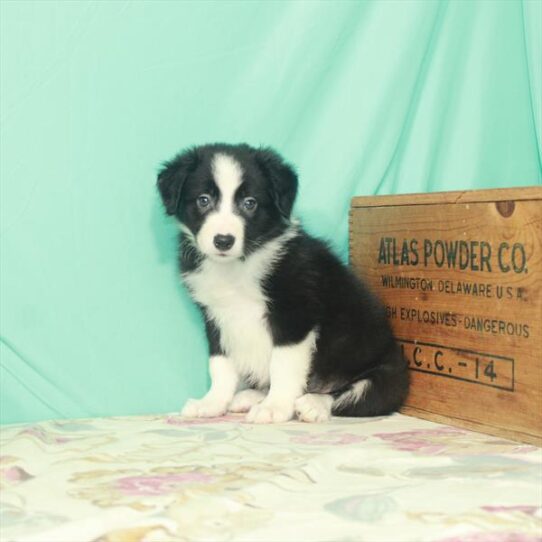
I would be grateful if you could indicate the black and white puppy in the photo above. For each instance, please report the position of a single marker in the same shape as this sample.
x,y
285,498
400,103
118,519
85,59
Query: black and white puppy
x,y
291,330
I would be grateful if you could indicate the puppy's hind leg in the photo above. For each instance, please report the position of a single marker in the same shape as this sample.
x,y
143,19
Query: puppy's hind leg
x,y
314,407
381,393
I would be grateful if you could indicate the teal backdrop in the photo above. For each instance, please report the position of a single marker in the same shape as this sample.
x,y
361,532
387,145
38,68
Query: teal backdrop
x,y
364,97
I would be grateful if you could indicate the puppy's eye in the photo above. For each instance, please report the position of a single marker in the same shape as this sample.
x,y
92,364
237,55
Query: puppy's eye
x,y
249,204
203,201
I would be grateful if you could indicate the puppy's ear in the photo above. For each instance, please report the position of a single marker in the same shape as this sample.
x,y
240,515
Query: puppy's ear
x,y
173,176
282,176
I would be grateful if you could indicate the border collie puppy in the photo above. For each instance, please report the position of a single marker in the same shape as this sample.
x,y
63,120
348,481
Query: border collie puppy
x,y
291,330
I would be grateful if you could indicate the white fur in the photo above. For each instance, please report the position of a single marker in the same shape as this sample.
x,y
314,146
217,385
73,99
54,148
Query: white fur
x,y
224,380
289,368
233,297
245,400
228,175
187,231
314,407
354,394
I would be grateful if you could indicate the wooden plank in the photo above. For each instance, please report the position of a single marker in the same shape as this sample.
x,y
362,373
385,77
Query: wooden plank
x,y
462,281
463,196
472,426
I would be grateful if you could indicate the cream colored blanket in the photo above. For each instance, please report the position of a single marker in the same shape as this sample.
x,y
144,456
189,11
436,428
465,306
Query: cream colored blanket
x,y
162,478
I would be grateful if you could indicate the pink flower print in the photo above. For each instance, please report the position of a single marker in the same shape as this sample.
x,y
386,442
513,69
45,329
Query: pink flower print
x,y
179,420
47,437
426,441
526,509
333,438
493,537
159,484
14,475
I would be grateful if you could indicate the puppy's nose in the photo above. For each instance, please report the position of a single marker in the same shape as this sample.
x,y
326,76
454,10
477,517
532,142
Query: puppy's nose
x,y
223,242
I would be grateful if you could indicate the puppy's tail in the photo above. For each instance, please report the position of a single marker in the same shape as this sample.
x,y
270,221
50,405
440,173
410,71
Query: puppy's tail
x,y
380,391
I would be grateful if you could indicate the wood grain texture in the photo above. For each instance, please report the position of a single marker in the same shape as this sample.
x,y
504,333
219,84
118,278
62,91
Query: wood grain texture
x,y
461,276
458,196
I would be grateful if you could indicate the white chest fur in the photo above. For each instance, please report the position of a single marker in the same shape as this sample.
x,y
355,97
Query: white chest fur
x,y
233,298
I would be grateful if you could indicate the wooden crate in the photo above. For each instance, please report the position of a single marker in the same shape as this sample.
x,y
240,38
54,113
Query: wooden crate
x,y
461,276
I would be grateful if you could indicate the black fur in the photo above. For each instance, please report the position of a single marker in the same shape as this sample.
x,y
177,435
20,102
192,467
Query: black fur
x,y
308,288
271,180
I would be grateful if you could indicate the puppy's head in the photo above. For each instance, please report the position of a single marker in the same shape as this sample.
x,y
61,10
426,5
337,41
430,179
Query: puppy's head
x,y
228,199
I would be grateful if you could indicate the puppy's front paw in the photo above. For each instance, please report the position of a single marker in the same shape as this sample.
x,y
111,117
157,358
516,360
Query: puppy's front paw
x,y
203,408
268,412
245,400
313,407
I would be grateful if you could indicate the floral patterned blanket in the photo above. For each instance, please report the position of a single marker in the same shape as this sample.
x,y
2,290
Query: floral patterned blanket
x,y
164,478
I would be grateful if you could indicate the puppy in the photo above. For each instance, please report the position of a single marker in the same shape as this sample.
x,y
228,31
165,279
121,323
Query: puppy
x,y
291,330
